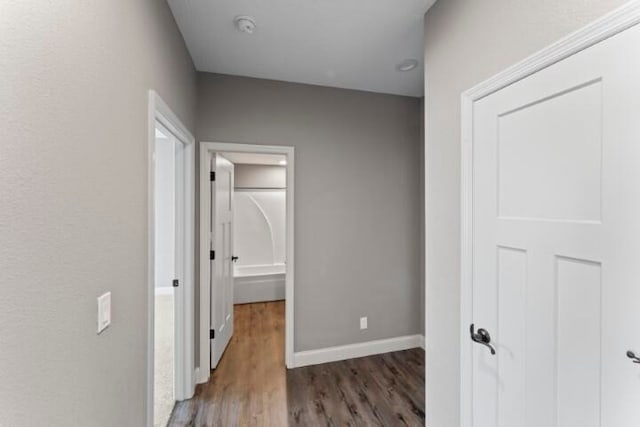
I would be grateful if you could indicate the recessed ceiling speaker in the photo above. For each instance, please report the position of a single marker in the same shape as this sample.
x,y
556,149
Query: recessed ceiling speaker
x,y
407,65
245,24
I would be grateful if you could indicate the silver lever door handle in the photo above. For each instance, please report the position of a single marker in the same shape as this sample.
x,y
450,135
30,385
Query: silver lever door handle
x,y
482,337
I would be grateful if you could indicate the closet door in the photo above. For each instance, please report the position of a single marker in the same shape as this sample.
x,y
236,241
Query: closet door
x,y
556,244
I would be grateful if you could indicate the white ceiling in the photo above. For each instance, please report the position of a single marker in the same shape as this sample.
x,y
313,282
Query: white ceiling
x,y
354,44
254,158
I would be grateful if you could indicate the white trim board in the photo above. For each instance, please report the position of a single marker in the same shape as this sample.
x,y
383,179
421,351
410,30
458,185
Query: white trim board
x,y
196,375
205,291
202,376
607,26
159,111
166,290
352,351
250,289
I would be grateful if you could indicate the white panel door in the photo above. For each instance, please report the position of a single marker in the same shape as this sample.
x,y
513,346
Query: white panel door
x,y
222,247
556,244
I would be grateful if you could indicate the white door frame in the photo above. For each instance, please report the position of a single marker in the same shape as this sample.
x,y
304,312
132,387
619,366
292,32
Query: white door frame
x,y
160,112
613,23
205,207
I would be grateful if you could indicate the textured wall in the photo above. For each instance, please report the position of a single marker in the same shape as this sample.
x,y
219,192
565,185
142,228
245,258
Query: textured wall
x,y
73,214
465,43
357,198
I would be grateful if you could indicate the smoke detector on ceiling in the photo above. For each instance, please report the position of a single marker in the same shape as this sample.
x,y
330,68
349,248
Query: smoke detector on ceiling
x,y
246,24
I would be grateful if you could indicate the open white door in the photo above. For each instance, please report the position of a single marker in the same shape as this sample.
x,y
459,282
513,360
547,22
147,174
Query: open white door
x,y
556,244
221,256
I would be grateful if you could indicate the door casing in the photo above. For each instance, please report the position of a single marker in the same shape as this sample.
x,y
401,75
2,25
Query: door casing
x,y
613,23
206,148
159,111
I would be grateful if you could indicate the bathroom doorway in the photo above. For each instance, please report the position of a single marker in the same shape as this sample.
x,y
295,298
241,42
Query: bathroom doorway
x,y
246,265
260,205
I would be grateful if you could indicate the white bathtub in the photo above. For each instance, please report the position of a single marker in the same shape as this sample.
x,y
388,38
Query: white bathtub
x,y
256,283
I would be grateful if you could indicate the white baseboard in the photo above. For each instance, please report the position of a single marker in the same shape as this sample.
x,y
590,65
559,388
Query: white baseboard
x,y
164,290
422,342
258,288
201,377
352,351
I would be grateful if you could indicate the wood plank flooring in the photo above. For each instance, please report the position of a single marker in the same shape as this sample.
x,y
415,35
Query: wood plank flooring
x,y
381,390
251,386
248,388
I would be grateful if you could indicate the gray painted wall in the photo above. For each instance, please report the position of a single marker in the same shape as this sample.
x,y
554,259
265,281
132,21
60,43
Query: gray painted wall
x,y
259,176
357,198
73,216
467,42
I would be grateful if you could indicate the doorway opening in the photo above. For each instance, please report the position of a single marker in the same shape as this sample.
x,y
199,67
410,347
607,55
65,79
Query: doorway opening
x,y
260,211
168,269
246,246
170,363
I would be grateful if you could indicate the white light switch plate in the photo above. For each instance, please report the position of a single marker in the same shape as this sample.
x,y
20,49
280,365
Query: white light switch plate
x,y
363,323
104,311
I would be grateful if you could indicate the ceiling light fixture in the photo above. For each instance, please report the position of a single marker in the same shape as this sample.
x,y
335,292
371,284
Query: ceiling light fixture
x,y
245,24
407,65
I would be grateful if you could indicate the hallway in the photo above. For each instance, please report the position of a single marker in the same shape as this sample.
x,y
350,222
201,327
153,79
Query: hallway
x,y
252,387
249,385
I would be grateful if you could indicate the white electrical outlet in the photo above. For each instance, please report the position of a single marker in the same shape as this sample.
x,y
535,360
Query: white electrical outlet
x,y
363,323
104,311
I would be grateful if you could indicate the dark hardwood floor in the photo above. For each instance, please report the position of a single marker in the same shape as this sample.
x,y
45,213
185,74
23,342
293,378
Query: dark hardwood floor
x,y
382,390
251,386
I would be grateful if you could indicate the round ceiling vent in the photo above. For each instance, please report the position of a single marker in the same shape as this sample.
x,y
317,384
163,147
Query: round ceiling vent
x,y
407,65
245,24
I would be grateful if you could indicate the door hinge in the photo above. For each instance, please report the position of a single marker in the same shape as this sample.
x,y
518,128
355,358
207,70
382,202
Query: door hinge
x,y
175,283
212,334
212,176
212,254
